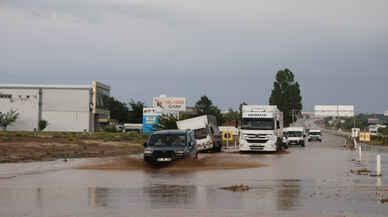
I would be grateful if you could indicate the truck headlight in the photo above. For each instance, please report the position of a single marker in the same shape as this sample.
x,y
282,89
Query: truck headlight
x,y
147,152
179,152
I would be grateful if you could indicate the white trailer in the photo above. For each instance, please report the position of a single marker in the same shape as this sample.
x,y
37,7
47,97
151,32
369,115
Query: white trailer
x,y
261,128
295,136
206,132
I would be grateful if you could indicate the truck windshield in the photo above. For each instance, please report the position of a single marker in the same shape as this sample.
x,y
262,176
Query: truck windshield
x,y
167,140
315,133
294,134
201,133
258,124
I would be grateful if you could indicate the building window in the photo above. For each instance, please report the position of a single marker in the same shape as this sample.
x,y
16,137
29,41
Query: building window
x,y
5,96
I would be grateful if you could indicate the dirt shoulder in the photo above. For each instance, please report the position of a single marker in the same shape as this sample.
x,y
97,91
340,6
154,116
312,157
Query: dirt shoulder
x,y
46,147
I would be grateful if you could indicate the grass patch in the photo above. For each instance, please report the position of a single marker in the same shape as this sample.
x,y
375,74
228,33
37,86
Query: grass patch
x,y
74,137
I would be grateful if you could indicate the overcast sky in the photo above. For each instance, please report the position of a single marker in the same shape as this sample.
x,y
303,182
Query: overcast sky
x,y
228,50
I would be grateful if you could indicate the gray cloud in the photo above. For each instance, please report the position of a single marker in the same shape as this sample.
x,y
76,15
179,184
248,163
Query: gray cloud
x,y
228,50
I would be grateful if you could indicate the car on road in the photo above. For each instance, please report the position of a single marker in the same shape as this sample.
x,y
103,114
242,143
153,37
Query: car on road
x,y
167,146
314,135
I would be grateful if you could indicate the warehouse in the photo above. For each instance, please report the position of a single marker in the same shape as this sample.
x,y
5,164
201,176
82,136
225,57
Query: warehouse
x,y
72,108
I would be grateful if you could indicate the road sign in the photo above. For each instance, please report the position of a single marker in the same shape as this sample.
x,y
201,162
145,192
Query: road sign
x,y
355,132
227,136
362,136
367,137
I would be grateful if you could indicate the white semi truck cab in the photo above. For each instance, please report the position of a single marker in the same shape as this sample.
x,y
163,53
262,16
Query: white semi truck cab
x,y
261,128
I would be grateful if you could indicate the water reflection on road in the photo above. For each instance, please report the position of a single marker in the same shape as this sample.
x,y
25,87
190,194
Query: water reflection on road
x,y
314,179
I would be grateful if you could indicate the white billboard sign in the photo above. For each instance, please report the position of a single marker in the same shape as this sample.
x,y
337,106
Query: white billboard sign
x,y
169,103
334,111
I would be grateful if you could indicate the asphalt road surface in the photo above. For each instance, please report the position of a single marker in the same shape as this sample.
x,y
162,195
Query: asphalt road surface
x,y
311,181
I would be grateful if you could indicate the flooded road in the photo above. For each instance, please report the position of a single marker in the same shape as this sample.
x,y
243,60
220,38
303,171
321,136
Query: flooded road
x,y
310,181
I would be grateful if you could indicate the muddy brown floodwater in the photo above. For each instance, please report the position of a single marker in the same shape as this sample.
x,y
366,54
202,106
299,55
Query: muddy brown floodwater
x,y
312,181
219,161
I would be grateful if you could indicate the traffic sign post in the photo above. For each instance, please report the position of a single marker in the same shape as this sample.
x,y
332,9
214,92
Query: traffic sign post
x,y
227,136
367,137
362,136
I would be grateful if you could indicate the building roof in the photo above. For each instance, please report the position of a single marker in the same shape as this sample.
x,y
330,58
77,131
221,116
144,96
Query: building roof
x,y
44,86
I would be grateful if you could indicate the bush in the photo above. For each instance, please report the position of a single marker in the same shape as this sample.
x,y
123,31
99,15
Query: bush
x,y
110,128
42,125
8,118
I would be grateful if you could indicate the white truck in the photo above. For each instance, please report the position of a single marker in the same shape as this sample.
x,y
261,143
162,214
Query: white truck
x,y
295,136
206,132
314,135
261,128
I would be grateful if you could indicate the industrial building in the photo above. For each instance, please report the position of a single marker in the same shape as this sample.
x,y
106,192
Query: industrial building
x,y
334,111
72,108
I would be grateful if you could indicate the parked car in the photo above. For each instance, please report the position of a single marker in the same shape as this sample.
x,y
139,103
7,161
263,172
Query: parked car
x,y
167,146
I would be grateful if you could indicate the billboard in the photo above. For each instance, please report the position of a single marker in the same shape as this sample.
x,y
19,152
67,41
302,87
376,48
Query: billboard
x,y
334,111
169,103
150,117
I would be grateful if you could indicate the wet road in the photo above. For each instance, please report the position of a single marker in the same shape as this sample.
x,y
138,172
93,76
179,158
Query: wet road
x,y
310,181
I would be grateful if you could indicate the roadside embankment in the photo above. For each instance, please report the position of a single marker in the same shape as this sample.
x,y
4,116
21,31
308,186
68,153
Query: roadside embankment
x,y
44,146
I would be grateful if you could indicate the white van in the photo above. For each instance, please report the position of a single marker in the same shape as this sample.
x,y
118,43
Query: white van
x,y
314,135
294,136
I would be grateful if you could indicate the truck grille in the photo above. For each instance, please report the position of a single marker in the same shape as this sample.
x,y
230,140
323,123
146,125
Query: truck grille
x,y
256,147
163,154
256,141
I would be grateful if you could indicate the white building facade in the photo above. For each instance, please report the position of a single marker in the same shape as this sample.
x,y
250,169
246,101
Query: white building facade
x,y
71,108
334,111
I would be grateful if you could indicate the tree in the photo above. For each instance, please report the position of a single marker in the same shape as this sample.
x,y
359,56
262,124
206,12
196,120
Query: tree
x,y
204,106
286,95
136,112
232,115
42,125
8,118
166,122
118,110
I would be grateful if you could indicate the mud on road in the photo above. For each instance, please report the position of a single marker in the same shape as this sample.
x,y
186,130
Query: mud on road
x,y
220,161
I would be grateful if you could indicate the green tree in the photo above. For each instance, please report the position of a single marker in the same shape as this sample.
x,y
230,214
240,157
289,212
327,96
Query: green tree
x,y
42,124
166,122
8,118
118,110
231,115
136,112
204,106
286,95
